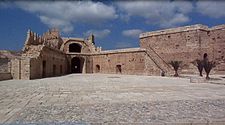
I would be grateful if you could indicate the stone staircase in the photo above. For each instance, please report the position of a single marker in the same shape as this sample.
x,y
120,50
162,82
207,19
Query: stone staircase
x,y
161,64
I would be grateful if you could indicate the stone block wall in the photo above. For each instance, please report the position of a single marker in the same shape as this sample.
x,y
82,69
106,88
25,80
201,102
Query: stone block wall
x,y
50,63
16,68
20,68
32,67
4,65
122,62
187,44
217,38
5,76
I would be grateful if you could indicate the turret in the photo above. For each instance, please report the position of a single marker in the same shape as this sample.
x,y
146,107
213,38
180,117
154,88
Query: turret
x,y
91,39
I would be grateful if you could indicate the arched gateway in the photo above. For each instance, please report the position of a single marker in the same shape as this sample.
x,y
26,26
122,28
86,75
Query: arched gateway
x,y
76,65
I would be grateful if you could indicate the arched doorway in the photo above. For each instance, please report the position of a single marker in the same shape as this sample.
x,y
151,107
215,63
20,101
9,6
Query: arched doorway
x,y
76,66
97,70
44,69
118,69
54,70
74,47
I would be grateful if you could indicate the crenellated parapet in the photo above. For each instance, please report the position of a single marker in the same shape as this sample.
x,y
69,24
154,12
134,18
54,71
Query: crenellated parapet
x,y
174,30
51,39
33,38
218,27
51,34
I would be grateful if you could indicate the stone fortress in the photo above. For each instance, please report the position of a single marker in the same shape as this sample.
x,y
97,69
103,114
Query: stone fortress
x,y
52,55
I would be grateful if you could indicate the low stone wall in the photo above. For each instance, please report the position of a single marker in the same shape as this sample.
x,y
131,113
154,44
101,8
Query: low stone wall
x,y
5,76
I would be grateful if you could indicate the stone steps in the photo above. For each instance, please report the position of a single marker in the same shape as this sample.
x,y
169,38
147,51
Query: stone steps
x,y
162,64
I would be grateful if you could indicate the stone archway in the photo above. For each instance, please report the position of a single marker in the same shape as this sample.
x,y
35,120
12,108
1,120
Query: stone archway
x,y
74,47
118,69
97,68
76,65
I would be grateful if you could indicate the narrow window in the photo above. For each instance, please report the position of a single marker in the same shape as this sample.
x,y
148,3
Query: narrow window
x,y
61,72
54,70
44,69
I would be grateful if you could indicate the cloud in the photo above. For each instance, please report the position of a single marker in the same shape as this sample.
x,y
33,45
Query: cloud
x,y
134,33
64,25
214,9
162,13
63,14
5,5
98,33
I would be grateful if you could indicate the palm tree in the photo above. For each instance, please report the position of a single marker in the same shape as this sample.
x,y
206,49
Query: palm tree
x,y
199,64
208,65
175,65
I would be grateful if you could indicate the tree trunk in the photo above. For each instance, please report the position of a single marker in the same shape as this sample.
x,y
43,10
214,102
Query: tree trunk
x,y
200,73
207,76
176,73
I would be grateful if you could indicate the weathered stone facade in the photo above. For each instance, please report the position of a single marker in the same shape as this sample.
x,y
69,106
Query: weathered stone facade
x,y
52,55
187,44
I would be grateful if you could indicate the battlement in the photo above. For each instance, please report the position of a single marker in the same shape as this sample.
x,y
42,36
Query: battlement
x,y
218,27
33,38
174,30
52,34
123,50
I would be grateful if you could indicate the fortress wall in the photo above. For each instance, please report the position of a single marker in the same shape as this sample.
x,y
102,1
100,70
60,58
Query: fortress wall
x,y
25,68
150,67
5,76
4,65
132,63
16,68
188,45
182,46
32,67
50,57
84,47
217,38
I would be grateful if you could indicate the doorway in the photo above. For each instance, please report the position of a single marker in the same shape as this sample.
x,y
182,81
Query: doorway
x,y
118,69
43,69
54,70
76,65
74,47
97,69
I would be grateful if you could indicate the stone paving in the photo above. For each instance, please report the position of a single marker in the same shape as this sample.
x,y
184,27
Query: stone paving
x,y
111,99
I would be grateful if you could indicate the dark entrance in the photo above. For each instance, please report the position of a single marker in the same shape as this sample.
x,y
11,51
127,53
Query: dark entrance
x,y
76,65
54,70
118,69
97,69
43,69
74,47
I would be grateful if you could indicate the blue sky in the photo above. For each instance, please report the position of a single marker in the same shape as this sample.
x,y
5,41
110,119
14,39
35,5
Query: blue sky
x,y
115,24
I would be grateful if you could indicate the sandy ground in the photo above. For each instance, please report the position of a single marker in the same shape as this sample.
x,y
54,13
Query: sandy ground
x,y
111,99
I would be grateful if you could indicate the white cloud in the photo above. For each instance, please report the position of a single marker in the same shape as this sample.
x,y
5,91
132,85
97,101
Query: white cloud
x,y
214,9
64,14
162,13
5,5
98,33
132,33
64,25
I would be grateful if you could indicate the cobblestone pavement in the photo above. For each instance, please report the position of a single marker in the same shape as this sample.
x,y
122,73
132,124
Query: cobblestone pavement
x,y
111,99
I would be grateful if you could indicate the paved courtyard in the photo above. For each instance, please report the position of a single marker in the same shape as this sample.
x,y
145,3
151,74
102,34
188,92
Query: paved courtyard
x,y
111,99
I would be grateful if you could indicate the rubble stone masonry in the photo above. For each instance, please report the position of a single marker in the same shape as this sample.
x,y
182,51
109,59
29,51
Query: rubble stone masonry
x,y
52,55
187,44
